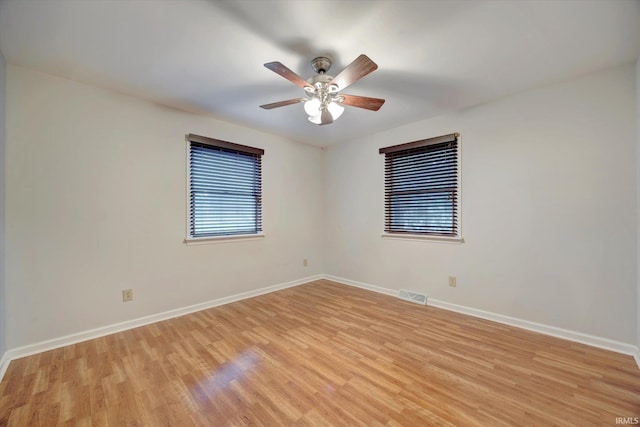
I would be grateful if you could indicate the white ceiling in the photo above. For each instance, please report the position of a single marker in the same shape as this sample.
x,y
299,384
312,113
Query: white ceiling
x,y
207,56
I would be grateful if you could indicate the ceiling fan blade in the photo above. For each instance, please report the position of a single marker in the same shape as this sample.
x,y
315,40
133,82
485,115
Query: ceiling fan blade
x,y
282,103
359,68
279,68
372,104
326,117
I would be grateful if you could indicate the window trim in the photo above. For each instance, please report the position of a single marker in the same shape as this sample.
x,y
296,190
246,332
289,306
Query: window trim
x,y
223,144
421,143
189,240
221,239
420,237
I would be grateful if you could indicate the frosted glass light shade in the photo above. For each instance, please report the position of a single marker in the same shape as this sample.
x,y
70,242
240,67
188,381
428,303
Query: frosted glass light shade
x,y
336,110
312,107
316,119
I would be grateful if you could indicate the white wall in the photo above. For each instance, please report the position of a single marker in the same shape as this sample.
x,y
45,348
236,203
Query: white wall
x,y
548,209
637,113
3,346
95,203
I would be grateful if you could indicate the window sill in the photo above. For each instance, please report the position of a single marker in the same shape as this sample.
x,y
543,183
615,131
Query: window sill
x,y
222,239
419,237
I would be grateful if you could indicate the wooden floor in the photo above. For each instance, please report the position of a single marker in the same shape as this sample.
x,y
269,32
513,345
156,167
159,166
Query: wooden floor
x,y
322,354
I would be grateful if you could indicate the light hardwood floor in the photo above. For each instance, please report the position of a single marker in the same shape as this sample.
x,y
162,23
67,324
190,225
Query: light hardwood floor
x,y
322,354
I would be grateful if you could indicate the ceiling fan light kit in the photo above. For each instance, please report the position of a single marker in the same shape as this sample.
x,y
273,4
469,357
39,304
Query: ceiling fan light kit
x,y
323,102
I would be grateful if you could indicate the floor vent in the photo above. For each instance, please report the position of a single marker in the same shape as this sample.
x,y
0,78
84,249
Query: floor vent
x,y
412,297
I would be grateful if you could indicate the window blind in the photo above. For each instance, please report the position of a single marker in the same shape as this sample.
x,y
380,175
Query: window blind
x,y
225,188
421,187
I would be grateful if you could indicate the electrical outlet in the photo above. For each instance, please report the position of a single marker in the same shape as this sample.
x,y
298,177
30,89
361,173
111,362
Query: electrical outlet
x,y
452,281
127,295
304,262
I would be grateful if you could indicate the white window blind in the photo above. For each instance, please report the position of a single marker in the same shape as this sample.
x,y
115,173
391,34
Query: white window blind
x,y
225,188
421,187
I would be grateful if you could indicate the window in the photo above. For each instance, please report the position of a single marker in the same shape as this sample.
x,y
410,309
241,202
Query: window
x,y
422,187
225,188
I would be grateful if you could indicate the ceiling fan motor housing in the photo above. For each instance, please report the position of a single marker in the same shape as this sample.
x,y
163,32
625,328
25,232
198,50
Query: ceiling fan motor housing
x,y
320,78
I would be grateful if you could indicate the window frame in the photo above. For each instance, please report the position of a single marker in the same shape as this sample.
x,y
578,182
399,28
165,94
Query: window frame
x,y
426,237
191,240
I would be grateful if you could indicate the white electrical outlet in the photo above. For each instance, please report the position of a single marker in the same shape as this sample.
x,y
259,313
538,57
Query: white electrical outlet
x,y
452,281
127,295
304,262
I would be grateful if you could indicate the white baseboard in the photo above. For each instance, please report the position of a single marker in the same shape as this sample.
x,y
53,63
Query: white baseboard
x,y
361,285
604,343
636,355
54,343
592,340
4,364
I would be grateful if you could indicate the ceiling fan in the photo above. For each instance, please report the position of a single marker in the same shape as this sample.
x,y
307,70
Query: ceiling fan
x,y
323,101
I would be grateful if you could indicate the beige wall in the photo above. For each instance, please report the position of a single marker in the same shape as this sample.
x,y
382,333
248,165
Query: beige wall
x,y
96,204
548,209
